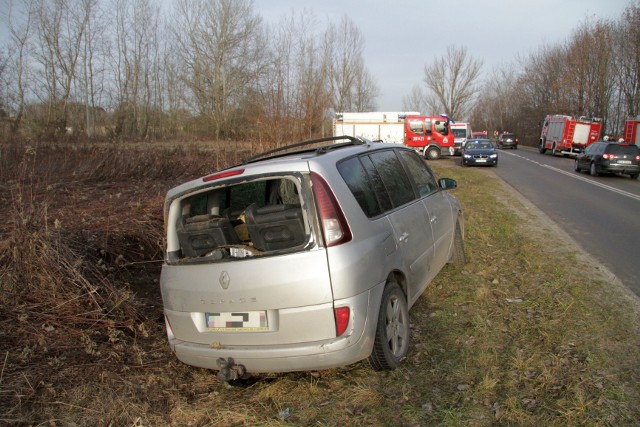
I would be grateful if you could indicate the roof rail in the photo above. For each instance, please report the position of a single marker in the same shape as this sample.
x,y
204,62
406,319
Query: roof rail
x,y
267,154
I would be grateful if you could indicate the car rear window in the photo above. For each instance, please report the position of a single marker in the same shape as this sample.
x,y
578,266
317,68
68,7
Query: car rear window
x,y
623,149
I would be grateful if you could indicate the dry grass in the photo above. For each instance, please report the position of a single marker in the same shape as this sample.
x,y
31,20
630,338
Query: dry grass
x,y
509,339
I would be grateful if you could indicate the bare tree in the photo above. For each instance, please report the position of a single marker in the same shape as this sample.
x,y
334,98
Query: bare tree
x,y
350,84
293,95
452,82
627,61
61,25
135,60
219,45
589,69
16,80
415,100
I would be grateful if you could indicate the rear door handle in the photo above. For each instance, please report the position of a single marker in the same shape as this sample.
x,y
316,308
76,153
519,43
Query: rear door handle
x,y
403,237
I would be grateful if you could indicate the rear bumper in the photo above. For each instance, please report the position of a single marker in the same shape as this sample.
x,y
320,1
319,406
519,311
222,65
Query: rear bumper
x,y
617,168
354,345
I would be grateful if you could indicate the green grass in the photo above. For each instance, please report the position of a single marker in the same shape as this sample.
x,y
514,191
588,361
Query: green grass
x,y
511,338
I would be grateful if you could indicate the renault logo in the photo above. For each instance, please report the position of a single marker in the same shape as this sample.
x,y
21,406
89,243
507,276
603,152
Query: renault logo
x,y
224,280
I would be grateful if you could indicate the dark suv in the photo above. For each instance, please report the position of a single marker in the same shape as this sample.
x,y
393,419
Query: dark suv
x,y
508,140
610,157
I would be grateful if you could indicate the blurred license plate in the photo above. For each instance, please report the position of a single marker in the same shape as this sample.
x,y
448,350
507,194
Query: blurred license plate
x,y
247,321
481,160
625,162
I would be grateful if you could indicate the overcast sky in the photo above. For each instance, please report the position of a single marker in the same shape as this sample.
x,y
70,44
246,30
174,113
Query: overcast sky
x,y
401,36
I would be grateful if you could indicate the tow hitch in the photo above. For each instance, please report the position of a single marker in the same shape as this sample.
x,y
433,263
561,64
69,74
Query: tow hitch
x,y
229,370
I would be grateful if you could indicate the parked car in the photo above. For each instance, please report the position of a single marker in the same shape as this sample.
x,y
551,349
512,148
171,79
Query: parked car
x,y
507,140
479,152
305,260
609,157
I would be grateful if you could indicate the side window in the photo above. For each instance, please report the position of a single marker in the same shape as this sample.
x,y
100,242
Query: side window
x,y
394,177
377,184
355,175
416,126
419,172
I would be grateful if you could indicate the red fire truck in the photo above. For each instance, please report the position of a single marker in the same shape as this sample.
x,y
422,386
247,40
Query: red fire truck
x,y
632,130
568,135
431,136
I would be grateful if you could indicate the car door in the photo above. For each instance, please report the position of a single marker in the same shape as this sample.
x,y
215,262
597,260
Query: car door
x,y
584,160
438,207
409,220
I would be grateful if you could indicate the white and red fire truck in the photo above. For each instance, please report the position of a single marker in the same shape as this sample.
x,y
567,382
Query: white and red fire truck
x,y
568,135
632,130
431,136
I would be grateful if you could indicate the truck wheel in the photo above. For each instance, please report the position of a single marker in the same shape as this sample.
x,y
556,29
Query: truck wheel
x,y
392,331
634,176
553,150
592,170
542,149
432,153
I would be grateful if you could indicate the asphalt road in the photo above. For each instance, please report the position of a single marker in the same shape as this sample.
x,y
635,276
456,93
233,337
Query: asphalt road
x,y
602,214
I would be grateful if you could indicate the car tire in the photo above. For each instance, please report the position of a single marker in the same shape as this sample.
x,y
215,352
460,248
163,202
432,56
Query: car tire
x,y
634,175
458,256
432,153
392,331
576,166
592,170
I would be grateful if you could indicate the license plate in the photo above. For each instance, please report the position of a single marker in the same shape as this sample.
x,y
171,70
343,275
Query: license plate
x,y
625,162
247,321
481,160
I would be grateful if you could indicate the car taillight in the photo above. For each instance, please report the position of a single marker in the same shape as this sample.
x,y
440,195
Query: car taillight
x,y
637,157
608,156
334,225
224,174
342,320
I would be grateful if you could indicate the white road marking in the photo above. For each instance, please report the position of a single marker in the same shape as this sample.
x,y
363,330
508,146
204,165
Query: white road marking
x,y
581,178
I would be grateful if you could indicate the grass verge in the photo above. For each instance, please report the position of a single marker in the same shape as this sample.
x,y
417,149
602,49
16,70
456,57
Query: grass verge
x,y
511,338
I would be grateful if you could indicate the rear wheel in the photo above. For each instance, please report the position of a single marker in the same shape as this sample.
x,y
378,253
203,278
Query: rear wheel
x,y
553,150
542,149
634,175
432,153
576,166
392,332
592,170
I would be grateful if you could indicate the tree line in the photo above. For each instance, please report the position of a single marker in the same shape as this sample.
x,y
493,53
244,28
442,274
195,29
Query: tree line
x,y
594,73
142,69
213,69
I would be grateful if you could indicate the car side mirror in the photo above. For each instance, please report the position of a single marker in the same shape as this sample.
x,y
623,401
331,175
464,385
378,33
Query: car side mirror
x,y
447,183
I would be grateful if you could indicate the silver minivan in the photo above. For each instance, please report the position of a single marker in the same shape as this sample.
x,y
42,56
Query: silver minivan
x,y
306,257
